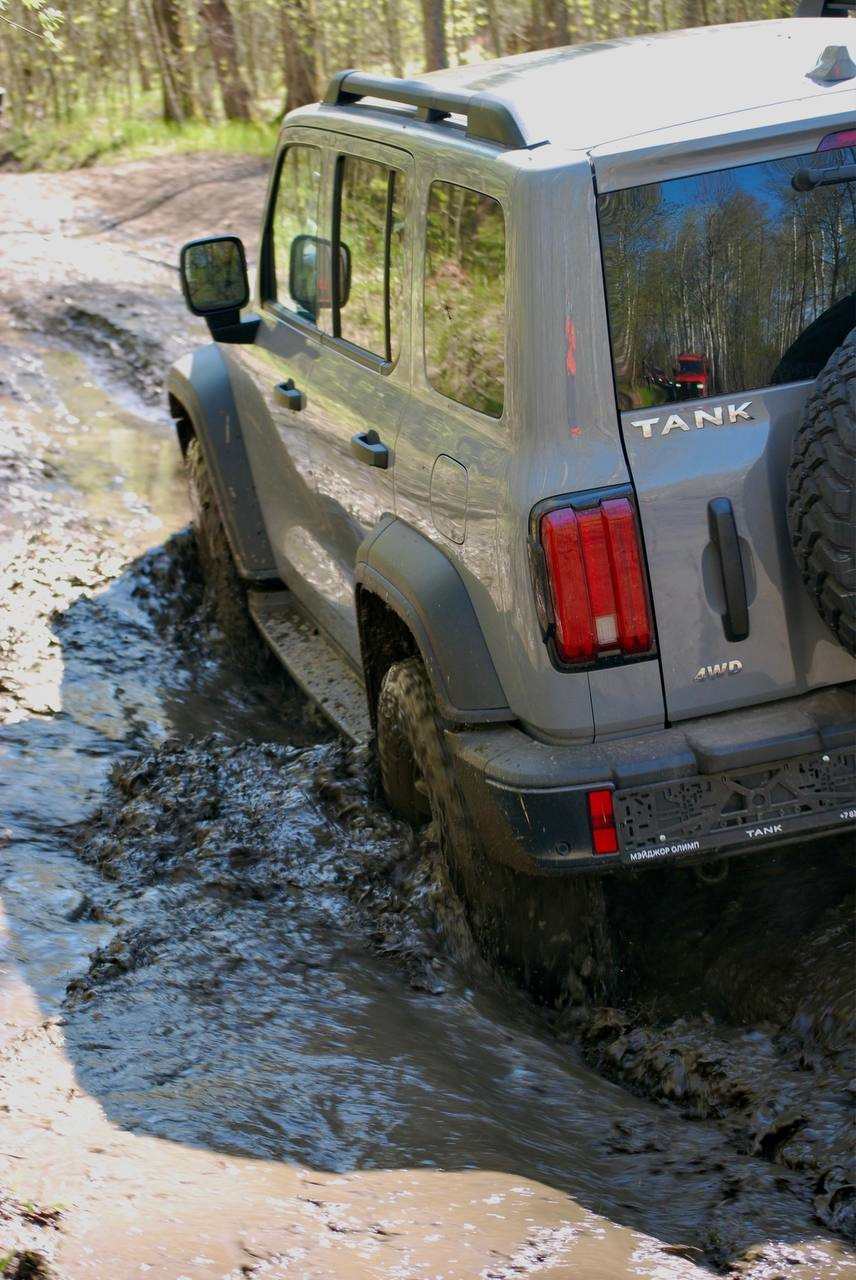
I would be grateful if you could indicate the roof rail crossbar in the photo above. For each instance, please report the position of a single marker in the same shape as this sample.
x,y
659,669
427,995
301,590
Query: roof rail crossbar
x,y
487,119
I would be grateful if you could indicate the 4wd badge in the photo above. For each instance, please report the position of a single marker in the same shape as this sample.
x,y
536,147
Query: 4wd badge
x,y
717,416
714,669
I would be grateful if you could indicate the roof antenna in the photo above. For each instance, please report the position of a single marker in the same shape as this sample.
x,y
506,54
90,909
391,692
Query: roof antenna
x,y
834,64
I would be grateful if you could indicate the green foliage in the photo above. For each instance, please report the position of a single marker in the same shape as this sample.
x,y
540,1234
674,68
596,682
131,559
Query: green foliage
x,y
86,140
48,20
91,80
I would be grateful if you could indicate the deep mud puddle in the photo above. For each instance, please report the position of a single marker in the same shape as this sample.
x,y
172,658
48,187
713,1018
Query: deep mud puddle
x,y
243,1030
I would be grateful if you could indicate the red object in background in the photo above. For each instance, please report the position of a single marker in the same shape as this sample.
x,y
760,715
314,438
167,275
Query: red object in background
x,y
692,375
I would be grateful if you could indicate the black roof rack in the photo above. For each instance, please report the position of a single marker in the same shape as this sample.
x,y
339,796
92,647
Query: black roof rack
x,y
488,120
826,9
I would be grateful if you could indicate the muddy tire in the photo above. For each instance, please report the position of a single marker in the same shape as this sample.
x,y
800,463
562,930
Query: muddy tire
x,y
225,592
549,934
822,495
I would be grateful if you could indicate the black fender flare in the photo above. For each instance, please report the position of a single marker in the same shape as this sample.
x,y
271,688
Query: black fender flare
x,y
200,394
414,579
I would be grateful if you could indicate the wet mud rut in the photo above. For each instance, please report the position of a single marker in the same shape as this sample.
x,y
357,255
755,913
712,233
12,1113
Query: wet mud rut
x,y
243,1031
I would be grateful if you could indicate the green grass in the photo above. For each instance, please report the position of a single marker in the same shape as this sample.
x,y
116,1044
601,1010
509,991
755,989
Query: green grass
x,y
108,138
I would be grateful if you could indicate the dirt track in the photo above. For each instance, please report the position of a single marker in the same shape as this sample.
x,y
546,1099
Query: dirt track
x,y
242,1028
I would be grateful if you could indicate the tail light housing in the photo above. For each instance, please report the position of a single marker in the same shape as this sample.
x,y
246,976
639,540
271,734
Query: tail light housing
x,y
594,602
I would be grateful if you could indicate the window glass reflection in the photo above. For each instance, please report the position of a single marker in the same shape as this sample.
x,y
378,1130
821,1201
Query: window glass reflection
x,y
728,281
464,304
295,218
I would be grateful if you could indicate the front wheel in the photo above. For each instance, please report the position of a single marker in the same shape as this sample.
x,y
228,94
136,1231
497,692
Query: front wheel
x,y
549,933
226,595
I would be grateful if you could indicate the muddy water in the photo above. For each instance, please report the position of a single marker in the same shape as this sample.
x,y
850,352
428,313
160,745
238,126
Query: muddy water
x,y
243,1028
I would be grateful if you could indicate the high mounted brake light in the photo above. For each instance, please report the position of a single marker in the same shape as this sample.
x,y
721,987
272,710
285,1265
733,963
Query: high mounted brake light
x,y
835,141
597,582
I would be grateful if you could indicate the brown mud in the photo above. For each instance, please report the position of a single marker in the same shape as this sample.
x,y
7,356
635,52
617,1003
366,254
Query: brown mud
x,y
243,1029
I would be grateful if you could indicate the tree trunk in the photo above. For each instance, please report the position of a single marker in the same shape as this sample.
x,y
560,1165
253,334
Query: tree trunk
x,y
494,29
555,24
393,37
434,29
179,102
549,24
220,29
297,18
142,64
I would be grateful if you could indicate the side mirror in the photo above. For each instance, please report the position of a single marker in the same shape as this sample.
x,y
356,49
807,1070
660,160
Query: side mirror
x,y
214,276
309,276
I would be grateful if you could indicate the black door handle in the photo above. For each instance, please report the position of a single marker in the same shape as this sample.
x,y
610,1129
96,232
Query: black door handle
x,y
723,535
286,393
368,448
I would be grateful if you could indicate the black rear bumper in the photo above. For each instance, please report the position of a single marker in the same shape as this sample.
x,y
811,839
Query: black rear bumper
x,y
712,787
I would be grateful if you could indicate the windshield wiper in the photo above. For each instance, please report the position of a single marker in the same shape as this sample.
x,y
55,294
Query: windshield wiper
x,y
808,179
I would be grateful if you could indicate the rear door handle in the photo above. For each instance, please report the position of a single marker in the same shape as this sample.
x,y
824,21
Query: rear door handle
x,y
723,535
368,447
286,393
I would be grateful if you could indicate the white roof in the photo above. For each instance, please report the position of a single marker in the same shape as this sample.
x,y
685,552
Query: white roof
x,y
583,96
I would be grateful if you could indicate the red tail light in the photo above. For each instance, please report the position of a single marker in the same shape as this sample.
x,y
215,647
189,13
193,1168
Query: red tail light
x,y
597,582
604,837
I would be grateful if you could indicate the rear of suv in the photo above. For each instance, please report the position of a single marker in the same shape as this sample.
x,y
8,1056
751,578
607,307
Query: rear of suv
x,y
597,605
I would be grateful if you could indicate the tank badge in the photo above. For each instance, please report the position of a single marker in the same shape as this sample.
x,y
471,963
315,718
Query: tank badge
x,y
718,416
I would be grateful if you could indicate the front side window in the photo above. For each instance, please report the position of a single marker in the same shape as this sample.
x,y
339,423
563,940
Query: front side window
x,y
464,304
297,251
729,281
370,233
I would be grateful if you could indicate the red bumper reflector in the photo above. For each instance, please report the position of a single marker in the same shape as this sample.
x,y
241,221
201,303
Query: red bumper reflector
x,y
597,581
604,836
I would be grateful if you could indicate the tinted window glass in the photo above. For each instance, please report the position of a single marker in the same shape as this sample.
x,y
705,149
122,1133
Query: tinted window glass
x,y
728,281
371,228
465,297
295,228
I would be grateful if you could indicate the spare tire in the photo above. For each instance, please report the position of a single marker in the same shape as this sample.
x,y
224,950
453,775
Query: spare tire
x,y
822,494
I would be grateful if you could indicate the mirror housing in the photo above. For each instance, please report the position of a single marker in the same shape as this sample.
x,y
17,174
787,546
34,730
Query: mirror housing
x,y
309,274
215,285
214,275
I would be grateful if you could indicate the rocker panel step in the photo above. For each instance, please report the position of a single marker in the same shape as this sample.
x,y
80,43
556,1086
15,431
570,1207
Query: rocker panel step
x,y
312,662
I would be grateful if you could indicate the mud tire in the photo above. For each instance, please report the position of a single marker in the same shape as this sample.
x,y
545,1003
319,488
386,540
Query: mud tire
x,y
822,495
225,592
549,934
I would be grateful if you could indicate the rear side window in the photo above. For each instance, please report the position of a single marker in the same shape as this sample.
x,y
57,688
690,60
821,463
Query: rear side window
x,y
464,307
294,231
728,281
370,234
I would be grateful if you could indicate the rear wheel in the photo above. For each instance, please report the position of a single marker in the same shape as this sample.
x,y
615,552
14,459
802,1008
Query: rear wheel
x,y
822,495
548,933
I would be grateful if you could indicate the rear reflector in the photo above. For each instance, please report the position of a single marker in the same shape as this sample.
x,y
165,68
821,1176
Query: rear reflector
x,y
834,141
604,837
597,581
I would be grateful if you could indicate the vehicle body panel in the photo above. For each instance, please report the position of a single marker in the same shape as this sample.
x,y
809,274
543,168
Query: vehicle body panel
x,y
788,648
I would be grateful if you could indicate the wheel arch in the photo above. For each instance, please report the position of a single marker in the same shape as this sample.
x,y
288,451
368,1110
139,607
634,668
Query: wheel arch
x,y
411,601
202,405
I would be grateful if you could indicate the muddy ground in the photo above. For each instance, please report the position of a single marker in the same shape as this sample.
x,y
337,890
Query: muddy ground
x,y
243,1029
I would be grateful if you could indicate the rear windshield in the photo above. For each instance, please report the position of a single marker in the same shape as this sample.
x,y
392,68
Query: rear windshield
x,y
756,280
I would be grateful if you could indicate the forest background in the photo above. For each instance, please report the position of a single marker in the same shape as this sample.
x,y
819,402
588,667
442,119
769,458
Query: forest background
x,y
116,78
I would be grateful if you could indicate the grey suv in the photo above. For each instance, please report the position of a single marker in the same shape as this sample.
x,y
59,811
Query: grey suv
x,y
535,455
